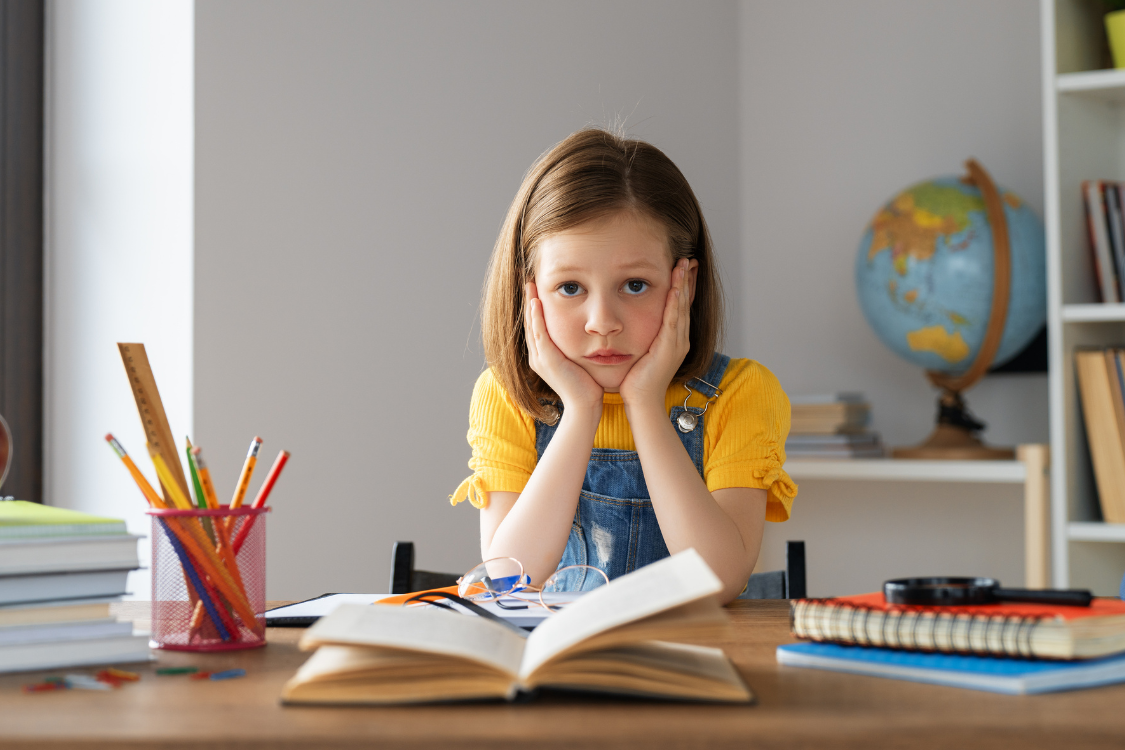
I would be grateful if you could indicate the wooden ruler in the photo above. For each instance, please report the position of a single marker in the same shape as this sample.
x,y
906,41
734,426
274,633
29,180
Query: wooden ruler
x,y
149,406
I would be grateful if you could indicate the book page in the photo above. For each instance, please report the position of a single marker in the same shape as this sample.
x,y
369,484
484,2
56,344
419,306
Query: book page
x,y
671,582
425,629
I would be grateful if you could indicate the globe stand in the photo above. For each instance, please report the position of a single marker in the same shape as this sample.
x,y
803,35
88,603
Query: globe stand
x,y
955,438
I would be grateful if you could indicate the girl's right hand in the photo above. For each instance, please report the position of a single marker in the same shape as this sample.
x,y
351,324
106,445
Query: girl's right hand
x,y
573,384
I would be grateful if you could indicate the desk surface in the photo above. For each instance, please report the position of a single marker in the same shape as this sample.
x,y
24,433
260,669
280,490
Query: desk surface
x,y
796,707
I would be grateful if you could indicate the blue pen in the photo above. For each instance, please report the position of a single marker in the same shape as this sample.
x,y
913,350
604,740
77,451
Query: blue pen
x,y
198,584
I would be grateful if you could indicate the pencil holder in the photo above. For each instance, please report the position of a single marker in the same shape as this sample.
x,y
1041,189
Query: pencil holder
x,y
208,578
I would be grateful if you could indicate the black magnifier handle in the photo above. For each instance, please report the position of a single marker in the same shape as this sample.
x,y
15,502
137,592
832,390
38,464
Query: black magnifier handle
x,y
1069,597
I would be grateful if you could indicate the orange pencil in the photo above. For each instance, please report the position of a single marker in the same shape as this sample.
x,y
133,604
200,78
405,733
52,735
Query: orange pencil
x,y
146,489
244,478
209,495
260,500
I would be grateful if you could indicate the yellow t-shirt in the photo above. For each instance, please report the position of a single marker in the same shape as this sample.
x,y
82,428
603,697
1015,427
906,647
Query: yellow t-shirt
x,y
743,437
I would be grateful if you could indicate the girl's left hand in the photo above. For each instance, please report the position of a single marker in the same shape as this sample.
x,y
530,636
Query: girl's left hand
x,y
648,379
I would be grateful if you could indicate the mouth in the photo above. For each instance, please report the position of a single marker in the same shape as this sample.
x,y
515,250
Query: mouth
x,y
608,357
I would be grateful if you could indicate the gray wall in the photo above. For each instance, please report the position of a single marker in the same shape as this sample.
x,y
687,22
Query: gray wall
x,y
842,106
354,161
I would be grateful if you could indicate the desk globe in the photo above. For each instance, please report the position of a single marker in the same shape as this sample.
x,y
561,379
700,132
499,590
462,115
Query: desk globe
x,y
951,275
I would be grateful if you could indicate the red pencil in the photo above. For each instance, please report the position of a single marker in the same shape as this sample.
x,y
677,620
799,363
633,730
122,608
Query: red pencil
x,y
260,500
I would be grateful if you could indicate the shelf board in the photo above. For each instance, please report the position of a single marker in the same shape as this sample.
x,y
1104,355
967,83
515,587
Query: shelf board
x,y
902,470
1094,313
1098,84
1095,532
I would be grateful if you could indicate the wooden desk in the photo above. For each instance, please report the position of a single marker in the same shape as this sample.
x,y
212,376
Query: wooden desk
x,y
796,708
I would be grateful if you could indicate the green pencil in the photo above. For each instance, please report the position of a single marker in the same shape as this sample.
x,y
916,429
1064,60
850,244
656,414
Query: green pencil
x,y
199,499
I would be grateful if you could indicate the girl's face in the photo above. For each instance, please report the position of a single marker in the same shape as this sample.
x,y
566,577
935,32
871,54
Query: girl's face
x,y
603,285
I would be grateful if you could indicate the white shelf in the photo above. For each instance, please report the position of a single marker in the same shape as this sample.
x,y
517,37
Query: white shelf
x,y
1095,313
1099,84
1096,532
889,469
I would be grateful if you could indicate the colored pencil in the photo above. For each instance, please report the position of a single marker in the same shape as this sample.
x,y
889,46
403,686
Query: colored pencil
x,y
260,500
200,501
205,478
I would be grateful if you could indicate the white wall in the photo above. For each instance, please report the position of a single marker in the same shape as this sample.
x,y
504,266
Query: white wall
x,y
354,161
842,106
119,240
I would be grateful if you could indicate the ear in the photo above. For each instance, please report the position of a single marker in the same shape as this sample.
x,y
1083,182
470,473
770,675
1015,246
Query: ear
x,y
692,272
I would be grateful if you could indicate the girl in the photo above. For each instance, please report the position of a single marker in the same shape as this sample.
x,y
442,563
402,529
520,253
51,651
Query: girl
x,y
607,431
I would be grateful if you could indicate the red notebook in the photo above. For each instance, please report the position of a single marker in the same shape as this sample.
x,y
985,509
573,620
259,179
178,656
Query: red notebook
x,y
1005,629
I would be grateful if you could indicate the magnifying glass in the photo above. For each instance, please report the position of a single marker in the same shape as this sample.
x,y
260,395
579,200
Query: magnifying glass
x,y
946,592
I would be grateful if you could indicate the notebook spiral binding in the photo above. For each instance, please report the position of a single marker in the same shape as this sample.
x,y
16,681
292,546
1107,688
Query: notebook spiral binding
x,y
913,628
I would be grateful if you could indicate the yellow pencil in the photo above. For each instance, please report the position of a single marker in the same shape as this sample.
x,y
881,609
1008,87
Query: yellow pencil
x,y
209,495
247,471
167,479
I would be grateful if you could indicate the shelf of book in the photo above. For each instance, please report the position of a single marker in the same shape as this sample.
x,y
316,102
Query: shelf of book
x,y
890,469
1083,143
1093,313
1101,84
1095,531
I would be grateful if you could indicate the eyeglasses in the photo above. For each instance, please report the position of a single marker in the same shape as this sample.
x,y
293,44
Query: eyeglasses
x,y
504,576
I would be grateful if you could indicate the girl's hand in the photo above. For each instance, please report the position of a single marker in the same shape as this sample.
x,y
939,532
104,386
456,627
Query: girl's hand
x,y
647,380
573,384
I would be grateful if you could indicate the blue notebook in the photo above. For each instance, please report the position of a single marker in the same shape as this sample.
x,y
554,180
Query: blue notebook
x,y
1013,676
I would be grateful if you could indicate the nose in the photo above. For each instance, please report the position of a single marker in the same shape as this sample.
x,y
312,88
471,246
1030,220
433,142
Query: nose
x,y
602,318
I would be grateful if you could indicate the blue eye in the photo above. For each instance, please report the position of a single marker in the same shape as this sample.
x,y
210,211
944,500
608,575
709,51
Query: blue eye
x,y
569,289
635,286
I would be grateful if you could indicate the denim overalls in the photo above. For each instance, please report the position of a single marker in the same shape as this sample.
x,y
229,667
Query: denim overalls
x,y
615,526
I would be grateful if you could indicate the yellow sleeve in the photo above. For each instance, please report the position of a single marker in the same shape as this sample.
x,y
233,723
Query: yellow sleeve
x,y
503,442
745,440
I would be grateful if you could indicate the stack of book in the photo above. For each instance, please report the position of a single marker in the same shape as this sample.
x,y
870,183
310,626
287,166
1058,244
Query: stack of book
x,y
1101,387
1004,647
1105,206
59,572
832,426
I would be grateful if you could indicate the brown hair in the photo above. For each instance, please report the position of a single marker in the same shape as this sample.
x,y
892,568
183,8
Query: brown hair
x,y
592,174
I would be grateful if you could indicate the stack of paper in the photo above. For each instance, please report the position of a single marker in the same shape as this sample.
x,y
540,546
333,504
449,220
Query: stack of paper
x,y
59,571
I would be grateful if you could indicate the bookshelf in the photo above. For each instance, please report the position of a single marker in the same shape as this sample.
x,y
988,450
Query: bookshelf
x,y
1083,138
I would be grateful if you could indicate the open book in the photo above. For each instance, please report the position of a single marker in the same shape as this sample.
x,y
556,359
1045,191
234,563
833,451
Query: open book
x,y
609,640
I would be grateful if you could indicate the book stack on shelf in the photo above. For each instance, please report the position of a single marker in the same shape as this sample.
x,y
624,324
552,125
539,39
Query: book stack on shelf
x,y
832,426
1105,206
59,572
1101,387
1004,647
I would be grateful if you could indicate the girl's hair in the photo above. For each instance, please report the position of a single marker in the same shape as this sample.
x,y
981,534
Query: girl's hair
x,y
590,175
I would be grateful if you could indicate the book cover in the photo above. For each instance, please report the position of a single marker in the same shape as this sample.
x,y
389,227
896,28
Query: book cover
x,y
998,675
20,518
1105,440
1099,241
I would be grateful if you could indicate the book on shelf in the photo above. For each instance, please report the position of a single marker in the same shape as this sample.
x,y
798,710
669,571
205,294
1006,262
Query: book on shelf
x,y
994,674
1013,629
1101,390
841,413
854,445
1100,199
1097,225
619,638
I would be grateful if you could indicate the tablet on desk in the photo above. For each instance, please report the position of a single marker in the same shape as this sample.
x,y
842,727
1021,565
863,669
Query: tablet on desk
x,y
303,614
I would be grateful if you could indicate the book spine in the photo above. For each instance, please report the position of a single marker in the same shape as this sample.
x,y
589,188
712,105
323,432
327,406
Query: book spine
x,y
1112,196
1099,241
913,628
1106,443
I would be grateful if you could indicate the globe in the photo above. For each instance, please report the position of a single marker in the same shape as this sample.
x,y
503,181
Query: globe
x,y
924,275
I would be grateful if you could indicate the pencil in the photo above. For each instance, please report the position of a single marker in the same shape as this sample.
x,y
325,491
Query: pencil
x,y
208,525
205,478
200,547
155,501
244,478
260,500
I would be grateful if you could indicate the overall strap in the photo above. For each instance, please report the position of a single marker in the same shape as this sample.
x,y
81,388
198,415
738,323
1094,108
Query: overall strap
x,y
708,385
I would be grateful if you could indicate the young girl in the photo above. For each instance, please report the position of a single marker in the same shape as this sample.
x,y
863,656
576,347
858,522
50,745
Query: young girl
x,y
607,430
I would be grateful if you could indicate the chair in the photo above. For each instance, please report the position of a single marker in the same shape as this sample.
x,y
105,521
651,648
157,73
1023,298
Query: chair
x,y
775,584
780,584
